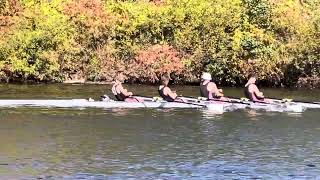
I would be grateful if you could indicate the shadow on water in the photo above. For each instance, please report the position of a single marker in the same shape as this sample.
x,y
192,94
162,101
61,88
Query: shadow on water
x,y
62,143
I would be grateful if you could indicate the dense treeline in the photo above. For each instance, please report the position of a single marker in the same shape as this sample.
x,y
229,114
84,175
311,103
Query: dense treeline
x,y
58,40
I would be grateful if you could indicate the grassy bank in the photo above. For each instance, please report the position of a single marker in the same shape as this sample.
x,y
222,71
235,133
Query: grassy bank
x,y
91,40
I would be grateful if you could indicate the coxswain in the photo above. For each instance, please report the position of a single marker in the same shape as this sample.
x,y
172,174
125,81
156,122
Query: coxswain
x,y
252,92
121,93
166,93
209,89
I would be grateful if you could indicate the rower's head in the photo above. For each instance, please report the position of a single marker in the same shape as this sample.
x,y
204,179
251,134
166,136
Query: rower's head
x,y
206,76
120,78
165,80
252,78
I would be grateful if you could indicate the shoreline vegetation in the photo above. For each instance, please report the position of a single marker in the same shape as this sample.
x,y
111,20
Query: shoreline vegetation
x,y
91,40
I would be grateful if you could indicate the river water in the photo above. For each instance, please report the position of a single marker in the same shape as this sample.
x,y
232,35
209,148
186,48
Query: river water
x,y
55,143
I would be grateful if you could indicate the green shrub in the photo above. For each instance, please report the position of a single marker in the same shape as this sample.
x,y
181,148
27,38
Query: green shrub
x,y
94,39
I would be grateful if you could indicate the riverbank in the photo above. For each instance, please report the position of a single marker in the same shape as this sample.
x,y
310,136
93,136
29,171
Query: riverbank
x,y
303,83
309,83
92,40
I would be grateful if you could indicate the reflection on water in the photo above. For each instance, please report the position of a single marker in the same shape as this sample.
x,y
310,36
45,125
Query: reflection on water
x,y
164,144
58,143
209,114
253,114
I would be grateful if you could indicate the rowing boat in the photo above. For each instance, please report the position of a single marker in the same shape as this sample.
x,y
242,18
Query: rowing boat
x,y
84,103
210,105
307,105
274,107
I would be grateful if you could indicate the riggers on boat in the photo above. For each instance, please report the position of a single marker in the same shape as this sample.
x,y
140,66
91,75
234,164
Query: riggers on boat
x,y
274,107
90,103
150,103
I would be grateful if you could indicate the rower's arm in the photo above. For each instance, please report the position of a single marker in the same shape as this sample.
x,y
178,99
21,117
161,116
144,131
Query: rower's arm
x,y
213,88
257,92
168,92
125,91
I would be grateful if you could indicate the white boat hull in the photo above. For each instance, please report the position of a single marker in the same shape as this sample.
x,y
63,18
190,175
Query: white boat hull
x,y
94,104
212,106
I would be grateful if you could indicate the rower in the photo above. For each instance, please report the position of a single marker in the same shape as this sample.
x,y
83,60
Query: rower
x,y
165,92
209,89
252,92
121,93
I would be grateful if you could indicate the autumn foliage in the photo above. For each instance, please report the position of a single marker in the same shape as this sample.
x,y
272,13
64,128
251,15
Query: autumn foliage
x,y
91,40
150,64
8,10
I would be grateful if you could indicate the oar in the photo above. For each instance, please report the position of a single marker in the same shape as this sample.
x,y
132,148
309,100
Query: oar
x,y
136,97
189,98
196,101
237,100
153,99
148,98
191,103
143,97
282,100
231,100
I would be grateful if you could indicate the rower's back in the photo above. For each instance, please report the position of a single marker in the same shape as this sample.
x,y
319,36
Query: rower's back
x,y
248,94
165,97
204,89
163,89
118,94
251,89
204,86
